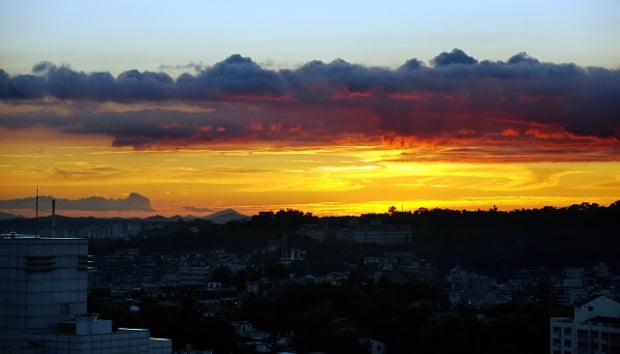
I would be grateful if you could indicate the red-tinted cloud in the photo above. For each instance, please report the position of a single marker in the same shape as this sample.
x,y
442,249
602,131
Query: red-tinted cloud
x,y
459,102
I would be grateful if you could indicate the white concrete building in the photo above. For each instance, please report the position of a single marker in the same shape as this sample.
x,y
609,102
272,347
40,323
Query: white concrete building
x,y
43,302
594,329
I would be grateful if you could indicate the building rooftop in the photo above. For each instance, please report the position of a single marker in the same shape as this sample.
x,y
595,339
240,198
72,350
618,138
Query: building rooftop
x,y
16,236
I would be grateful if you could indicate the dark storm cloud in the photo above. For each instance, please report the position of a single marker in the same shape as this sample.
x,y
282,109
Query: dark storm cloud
x,y
146,85
236,75
456,96
456,56
4,83
240,122
134,201
65,83
317,80
411,64
522,58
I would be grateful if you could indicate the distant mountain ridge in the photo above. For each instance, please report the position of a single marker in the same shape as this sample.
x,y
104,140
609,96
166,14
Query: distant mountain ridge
x,y
6,216
110,228
226,215
219,217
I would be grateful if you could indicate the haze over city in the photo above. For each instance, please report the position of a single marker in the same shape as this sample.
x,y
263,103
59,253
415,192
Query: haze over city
x,y
336,109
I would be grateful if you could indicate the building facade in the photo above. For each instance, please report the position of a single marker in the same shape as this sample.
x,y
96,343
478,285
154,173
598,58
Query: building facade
x,y
43,302
594,329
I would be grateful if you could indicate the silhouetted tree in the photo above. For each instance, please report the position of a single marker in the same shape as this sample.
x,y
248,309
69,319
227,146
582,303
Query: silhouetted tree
x,y
222,274
392,210
276,271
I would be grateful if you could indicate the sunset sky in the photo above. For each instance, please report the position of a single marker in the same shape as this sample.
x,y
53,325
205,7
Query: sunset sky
x,y
335,108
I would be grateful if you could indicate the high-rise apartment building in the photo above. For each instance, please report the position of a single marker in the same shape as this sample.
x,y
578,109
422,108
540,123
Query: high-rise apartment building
x,y
43,302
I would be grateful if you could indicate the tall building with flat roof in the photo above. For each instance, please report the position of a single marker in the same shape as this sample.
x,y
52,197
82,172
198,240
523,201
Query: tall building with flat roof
x,y
43,302
42,282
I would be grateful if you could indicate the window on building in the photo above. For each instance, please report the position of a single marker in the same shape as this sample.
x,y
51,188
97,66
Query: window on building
x,y
590,308
568,342
557,352
567,331
64,309
557,342
582,347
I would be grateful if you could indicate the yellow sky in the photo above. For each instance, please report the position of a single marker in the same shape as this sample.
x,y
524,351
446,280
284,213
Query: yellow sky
x,y
330,180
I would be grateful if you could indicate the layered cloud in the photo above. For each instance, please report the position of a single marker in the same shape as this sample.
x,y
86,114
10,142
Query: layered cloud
x,y
197,209
454,104
134,202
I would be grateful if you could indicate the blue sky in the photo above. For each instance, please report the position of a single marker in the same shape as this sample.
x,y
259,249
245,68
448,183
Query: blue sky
x,y
120,35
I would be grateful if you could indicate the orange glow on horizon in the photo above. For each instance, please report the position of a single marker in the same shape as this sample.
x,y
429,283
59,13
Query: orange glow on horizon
x,y
324,180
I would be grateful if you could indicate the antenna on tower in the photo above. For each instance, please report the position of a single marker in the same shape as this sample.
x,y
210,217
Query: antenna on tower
x,y
36,212
53,217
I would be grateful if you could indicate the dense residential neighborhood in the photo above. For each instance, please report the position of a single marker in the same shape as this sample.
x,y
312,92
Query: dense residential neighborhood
x,y
381,283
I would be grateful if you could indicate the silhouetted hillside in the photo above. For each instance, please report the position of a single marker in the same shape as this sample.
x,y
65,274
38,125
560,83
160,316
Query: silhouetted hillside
x,y
495,242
